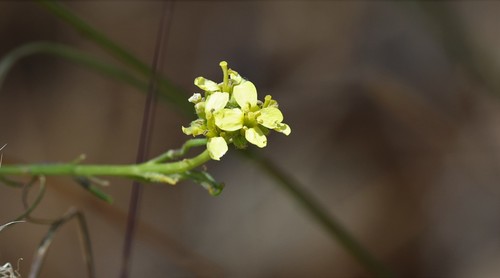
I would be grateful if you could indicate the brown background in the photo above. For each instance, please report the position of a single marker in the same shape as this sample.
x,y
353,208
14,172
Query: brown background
x,y
394,113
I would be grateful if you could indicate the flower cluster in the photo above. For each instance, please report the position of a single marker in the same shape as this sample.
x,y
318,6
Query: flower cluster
x,y
230,113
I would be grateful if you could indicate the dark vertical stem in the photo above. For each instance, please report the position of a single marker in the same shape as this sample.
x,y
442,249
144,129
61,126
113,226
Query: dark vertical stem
x,y
145,139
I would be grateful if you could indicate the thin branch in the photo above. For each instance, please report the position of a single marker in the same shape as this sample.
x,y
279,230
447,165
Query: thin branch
x,y
43,248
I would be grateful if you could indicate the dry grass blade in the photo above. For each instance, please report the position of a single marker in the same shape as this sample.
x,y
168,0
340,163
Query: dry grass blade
x,y
42,249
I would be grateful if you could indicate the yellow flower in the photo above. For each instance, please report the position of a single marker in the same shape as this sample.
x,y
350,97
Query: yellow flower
x,y
230,112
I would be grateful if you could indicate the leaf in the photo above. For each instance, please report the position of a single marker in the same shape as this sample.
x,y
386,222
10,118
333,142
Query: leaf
x,y
87,184
206,181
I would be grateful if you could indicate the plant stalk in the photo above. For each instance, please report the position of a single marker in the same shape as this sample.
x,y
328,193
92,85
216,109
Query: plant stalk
x,y
130,170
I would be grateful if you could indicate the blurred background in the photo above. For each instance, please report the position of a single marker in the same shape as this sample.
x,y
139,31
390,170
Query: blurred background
x,y
393,108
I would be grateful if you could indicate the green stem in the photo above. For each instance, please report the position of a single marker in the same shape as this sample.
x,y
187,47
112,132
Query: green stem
x,y
173,154
91,62
174,95
71,54
132,170
88,31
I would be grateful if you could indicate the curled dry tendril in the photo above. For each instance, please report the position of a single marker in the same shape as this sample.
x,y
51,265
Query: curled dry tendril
x,y
54,225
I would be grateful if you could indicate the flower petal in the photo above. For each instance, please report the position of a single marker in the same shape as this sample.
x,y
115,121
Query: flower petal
x,y
283,128
270,117
197,127
206,85
216,147
255,136
200,109
269,102
245,95
195,98
229,119
235,77
216,102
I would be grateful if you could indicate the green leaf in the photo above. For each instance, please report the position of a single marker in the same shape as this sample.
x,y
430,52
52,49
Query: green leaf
x,y
86,183
206,180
